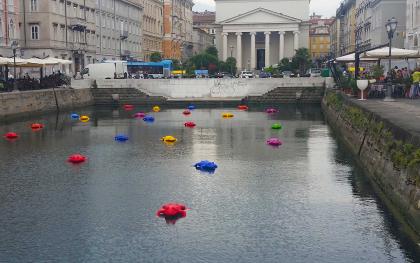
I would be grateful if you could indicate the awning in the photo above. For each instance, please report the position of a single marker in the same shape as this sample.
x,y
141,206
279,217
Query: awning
x,y
351,58
396,53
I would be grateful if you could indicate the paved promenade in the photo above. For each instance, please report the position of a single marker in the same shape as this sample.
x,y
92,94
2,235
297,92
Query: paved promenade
x,y
403,113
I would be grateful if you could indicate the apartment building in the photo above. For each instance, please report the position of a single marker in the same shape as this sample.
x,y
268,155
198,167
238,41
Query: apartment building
x,y
371,17
152,27
413,25
201,40
335,38
9,25
319,36
58,28
177,29
118,30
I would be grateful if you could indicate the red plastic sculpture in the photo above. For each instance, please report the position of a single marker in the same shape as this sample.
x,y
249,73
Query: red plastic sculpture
x,y
128,107
77,158
186,112
37,126
189,124
172,212
243,107
11,135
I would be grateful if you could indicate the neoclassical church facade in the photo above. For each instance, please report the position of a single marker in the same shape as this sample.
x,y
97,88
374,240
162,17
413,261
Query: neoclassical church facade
x,y
261,33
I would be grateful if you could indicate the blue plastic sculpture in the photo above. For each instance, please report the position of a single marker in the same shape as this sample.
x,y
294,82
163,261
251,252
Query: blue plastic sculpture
x,y
75,116
121,138
206,166
191,107
149,118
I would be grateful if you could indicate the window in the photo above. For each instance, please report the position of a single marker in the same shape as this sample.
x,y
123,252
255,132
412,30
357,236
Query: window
x,y
1,28
55,31
11,29
35,32
34,5
11,4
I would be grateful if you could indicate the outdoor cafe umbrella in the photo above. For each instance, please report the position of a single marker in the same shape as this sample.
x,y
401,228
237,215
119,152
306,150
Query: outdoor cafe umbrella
x,y
351,58
396,53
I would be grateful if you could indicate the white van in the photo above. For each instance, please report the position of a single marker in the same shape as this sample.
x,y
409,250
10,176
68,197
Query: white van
x,y
106,70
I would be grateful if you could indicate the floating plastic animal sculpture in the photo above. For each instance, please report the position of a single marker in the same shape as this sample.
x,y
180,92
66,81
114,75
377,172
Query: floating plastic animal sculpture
x,y
121,138
75,116
206,166
168,138
186,112
36,126
139,115
274,142
149,118
156,108
270,110
128,107
191,107
172,212
189,124
84,118
77,158
11,135
243,107
227,115
276,126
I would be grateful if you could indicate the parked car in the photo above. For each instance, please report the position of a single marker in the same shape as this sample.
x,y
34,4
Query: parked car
x,y
264,75
288,74
315,72
246,74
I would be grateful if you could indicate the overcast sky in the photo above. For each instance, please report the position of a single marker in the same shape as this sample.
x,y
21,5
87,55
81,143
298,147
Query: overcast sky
x,y
323,7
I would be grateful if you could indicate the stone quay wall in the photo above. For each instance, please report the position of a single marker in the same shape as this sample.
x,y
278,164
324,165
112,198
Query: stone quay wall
x,y
36,101
388,154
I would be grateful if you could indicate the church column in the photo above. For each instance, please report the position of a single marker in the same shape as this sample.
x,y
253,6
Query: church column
x,y
225,47
239,50
281,45
267,48
296,41
253,59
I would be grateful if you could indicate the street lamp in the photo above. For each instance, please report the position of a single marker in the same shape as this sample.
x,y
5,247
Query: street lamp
x,y
14,46
391,26
231,51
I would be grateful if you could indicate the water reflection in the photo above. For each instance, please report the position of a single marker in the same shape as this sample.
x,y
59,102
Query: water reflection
x,y
305,201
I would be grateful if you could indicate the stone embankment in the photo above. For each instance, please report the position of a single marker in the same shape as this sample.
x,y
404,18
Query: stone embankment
x,y
37,101
386,148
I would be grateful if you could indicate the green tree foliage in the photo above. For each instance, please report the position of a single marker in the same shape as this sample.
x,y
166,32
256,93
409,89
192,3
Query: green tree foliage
x,y
285,65
176,64
228,66
212,51
302,60
155,57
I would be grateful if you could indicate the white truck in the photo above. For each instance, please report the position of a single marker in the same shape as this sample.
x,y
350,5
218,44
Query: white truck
x,y
107,70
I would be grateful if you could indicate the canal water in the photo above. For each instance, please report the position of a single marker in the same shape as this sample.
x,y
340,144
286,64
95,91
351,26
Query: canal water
x,y
305,201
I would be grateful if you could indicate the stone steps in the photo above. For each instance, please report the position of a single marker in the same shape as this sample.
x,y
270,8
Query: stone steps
x,y
103,96
290,94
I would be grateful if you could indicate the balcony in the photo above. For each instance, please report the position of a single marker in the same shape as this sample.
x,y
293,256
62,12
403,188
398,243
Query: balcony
x,y
78,24
78,46
124,34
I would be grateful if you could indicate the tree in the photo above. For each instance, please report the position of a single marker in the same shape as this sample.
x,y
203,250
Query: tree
x,y
301,60
285,65
229,65
176,64
212,50
155,57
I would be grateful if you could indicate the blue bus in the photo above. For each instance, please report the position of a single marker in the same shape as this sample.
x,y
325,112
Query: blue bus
x,y
153,70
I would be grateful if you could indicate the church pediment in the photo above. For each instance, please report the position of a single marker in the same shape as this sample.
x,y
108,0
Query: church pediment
x,y
260,16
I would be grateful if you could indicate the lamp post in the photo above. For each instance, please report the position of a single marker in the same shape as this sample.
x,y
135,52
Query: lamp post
x,y
391,26
14,46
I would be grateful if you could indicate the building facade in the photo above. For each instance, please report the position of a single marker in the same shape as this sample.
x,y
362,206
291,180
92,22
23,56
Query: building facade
x,y
177,29
201,40
261,33
371,17
58,28
118,30
319,36
346,13
9,25
413,25
335,38
205,21
152,27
